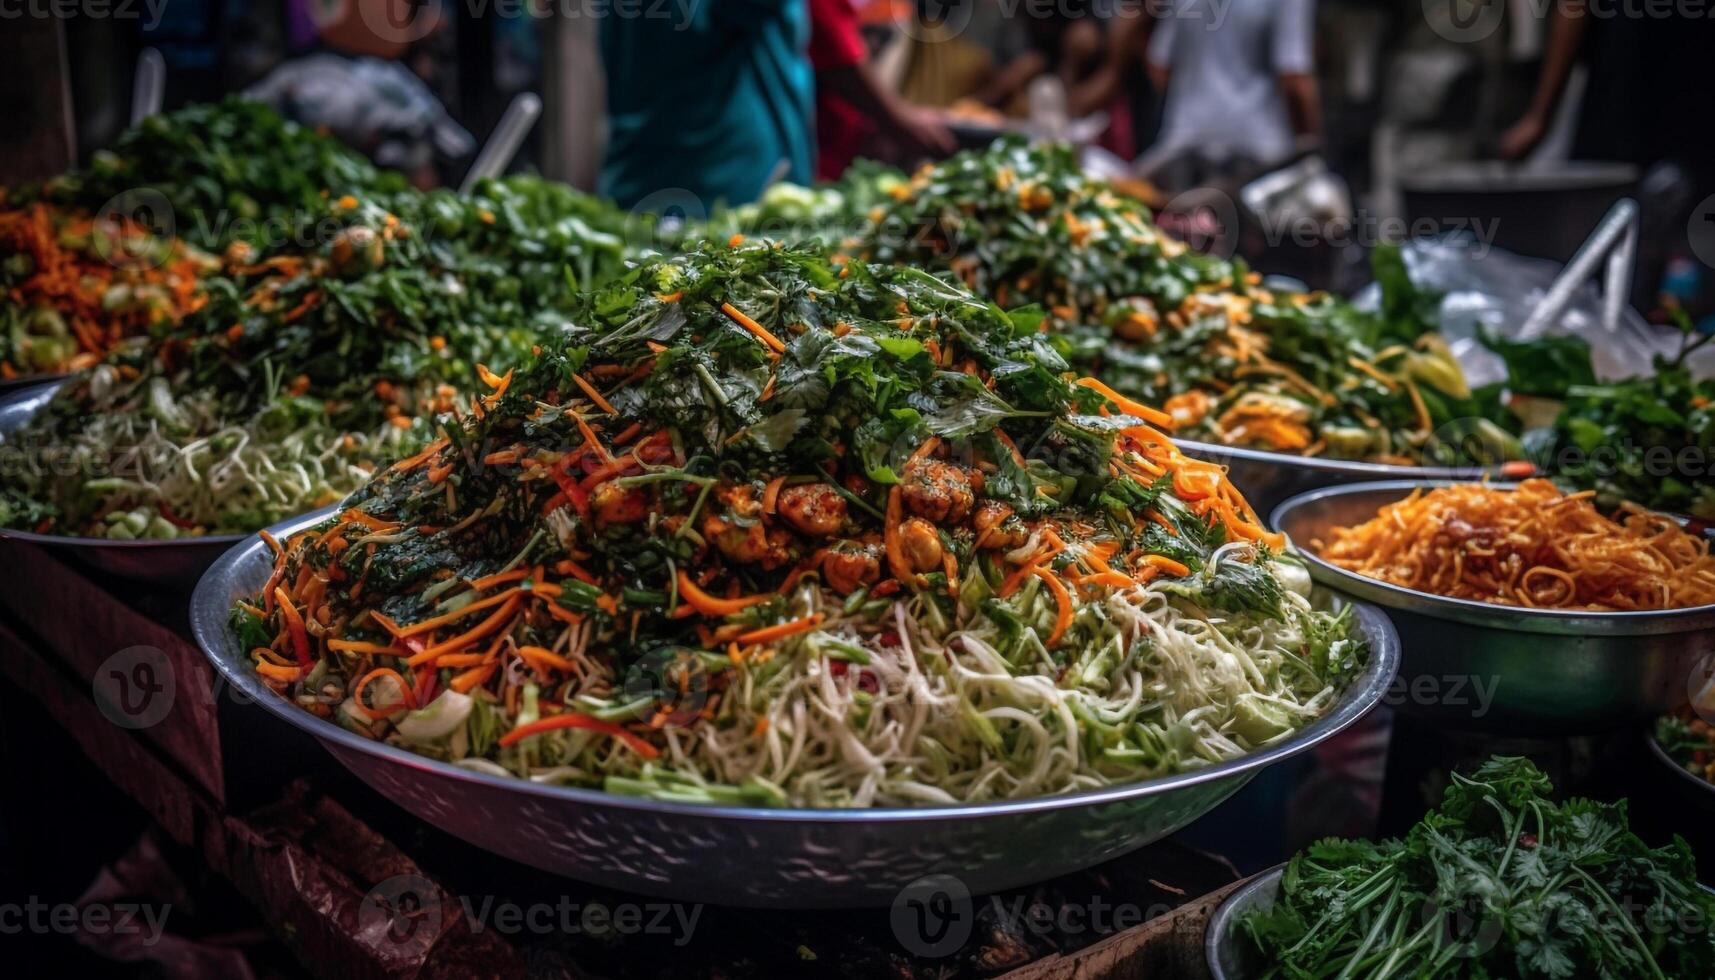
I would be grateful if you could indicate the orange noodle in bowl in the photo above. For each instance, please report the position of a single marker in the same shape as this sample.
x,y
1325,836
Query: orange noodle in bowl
x,y
1531,546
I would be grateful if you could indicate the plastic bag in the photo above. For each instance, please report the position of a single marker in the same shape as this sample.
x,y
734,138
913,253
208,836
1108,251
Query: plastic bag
x,y
1495,289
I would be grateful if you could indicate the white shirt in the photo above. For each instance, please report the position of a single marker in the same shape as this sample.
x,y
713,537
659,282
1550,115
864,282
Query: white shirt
x,y
1225,59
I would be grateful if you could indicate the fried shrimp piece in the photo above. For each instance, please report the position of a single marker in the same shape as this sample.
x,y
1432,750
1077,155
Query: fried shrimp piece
x,y
921,544
937,490
852,565
815,509
736,528
996,527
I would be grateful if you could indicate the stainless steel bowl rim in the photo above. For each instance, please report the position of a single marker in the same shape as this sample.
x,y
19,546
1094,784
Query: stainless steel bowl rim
x,y
1471,611
1346,468
43,391
1220,931
210,605
1661,755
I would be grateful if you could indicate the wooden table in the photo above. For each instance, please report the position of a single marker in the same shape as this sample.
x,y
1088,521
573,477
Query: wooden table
x,y
105,670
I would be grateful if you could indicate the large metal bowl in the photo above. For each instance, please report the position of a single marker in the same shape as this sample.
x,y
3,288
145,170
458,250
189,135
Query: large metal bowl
x,y
756,856
1486,667
1268,479
171,564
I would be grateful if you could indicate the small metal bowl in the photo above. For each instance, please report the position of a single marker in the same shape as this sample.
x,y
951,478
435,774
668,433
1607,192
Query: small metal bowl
x,y
1688,782
1485,667
1228,957
1268,479
173,564
761,857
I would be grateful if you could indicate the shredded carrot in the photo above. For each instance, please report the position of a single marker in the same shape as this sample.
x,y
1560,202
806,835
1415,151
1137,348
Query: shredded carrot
x,y
1129,406
595,396
360,646
769,634
773,343
507,610
1011,447
572,719
294,627
1167,565
459,660
566,566
435,622
1062,599
462,683
537,656
500,578
406,700
276,672
708,605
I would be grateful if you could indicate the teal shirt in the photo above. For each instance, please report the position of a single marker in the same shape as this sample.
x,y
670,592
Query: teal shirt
x,y
711,97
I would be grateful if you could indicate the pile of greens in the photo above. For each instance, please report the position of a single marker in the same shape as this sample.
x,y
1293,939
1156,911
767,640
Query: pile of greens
x,y
229,171
769,527
1232,361
1500,881
1649,439
830,212
309,364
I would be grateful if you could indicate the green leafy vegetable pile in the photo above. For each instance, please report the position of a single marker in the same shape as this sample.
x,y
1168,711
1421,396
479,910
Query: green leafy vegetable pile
x,y
1500,881
1649,439
1232,361
312,360
229,171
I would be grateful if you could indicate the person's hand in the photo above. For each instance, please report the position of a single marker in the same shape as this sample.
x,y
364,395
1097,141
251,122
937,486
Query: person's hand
x,y
1523,136
923,132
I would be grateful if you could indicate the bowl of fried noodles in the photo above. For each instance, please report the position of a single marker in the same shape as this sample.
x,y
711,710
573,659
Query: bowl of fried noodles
x,y
1524,607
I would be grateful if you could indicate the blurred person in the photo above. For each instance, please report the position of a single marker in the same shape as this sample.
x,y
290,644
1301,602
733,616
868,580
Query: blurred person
x,y
1238,79
1121,83
1065,41
714,98
1646,97
852,105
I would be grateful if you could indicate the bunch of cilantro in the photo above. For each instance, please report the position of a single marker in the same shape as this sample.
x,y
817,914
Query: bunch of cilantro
x,y
1499,882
